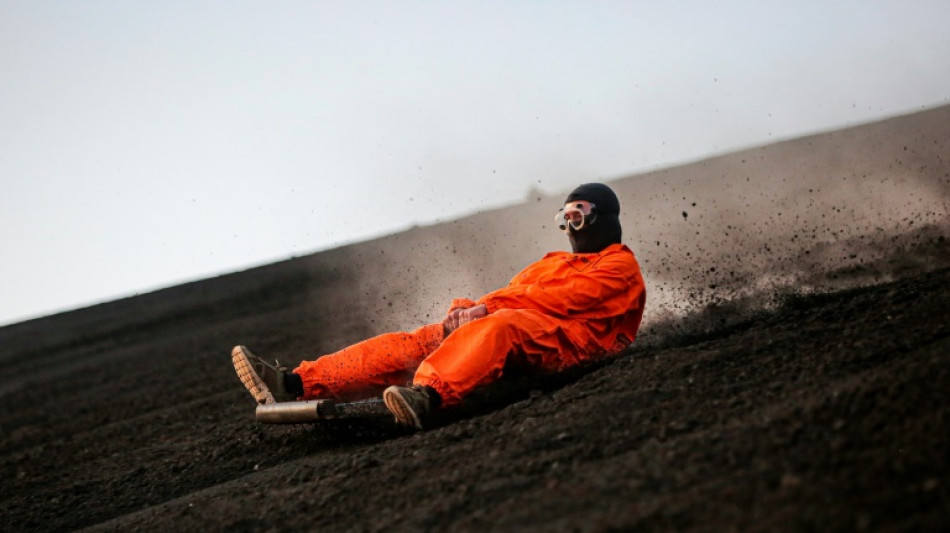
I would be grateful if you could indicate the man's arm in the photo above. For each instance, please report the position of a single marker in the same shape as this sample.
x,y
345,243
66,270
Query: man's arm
x,y
612,288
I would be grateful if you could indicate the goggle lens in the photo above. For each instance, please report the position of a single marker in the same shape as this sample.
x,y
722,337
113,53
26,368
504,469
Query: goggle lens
x,y
573,215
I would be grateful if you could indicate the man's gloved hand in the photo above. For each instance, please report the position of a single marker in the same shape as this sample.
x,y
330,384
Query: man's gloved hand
x,y
459,317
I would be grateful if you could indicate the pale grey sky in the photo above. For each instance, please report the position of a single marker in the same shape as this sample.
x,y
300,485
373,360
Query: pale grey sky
x,y
143,144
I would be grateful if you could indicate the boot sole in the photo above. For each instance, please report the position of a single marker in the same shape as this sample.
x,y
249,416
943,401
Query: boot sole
x,y
399,407
249,377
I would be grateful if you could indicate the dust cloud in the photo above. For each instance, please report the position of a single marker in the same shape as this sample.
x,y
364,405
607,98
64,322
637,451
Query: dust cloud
x,y
815,213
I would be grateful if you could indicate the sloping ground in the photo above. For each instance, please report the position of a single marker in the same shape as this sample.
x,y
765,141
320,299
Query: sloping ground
x,y
827,414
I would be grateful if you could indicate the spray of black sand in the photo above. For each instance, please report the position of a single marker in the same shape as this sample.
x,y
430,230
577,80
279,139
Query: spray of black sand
x,y
723,236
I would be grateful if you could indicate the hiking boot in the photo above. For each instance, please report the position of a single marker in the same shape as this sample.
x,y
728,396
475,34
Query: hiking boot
x,y
410,405
265,381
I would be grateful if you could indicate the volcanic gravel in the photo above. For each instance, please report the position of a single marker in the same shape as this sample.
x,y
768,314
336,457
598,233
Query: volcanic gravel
x,y
791,375
825,413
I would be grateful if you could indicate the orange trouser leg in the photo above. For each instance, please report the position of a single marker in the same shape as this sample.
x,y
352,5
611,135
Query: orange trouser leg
x,y
475,354
364,369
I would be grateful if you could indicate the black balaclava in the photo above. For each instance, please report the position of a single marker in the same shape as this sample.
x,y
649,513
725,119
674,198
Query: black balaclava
x,y
603,226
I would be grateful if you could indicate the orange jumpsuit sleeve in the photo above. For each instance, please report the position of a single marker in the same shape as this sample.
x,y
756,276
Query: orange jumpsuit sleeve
x,y
461,303
612,286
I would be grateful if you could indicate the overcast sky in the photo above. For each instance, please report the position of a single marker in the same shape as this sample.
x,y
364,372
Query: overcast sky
x,y
143,144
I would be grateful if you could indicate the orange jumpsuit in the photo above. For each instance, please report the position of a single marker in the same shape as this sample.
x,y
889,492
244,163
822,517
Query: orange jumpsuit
x,y
558,312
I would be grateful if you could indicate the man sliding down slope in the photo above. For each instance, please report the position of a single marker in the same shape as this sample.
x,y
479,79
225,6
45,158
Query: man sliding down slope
x,y
559,312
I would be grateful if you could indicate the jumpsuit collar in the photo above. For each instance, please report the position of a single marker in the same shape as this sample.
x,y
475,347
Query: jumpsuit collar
x,y
584,261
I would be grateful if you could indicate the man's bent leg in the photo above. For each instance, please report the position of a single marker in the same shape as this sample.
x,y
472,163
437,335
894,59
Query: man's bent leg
x,y
366,368
475,354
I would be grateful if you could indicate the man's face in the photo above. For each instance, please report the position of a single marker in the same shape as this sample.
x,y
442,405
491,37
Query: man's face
x,y
574,215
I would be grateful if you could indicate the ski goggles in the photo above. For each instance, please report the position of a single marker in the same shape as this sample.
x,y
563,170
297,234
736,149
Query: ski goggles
x,y
575,215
